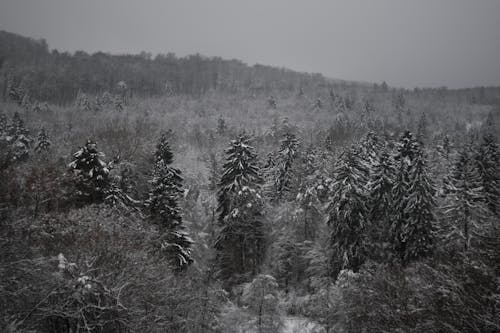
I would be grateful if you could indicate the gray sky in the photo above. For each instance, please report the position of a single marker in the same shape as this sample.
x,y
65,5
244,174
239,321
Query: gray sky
x,y
406,43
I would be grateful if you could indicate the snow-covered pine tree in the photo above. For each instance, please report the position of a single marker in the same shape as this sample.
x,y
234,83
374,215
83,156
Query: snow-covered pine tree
x,y
3,124
465,210
488,164
163,151
284,174
422,128
43,141
413,227
91,174
163,206
406,150
445,147
380,202
307,177
221,126
371,146
240,242
347,211
165,211
18,138
240,169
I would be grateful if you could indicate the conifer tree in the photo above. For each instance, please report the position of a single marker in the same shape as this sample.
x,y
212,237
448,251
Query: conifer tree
x,y
347,212
18,138
380,202
465,209
164,208
488,165
240,169
240,242
221,126
91,174
285,166
43,141
413,194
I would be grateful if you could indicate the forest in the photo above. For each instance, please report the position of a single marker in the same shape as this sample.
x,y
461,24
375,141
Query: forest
x,y
197,194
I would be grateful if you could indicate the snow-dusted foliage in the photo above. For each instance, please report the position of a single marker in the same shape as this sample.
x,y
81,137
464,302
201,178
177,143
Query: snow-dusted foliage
x,y
166,191
348,211
284,171
43,141
17,139
488,165
240,242
90,174
465,209
381,202
413,222
240,169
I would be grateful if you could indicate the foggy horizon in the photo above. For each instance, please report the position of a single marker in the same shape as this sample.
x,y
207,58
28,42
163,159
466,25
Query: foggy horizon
x,y
406,44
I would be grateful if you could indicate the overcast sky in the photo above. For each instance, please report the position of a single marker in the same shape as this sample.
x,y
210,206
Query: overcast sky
x,y
454,43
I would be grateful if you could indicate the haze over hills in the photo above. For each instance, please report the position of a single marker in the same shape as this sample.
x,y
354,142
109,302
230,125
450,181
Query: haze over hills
x,y
57,77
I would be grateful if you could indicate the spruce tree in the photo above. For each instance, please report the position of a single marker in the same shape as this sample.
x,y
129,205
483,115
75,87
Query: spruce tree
x,y
240,169
221,126
19,139
380,202
465,210
488,165
347,212
166,190
43,141
413,194
240,242
284,174
91,174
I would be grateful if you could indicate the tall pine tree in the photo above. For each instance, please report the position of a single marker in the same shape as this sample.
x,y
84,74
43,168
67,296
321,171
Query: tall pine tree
x,y
380,202
164,208
240,242
284,173
465,210
90,174
488,164
412,227
347,212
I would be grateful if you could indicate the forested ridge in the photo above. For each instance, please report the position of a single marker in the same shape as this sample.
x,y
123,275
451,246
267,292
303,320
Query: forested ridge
x,y
195,194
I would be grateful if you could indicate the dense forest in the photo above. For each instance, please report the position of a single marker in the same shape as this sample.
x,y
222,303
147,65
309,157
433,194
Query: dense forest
x,y
196,194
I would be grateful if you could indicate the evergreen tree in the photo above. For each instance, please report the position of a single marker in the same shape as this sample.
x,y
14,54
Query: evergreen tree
x,y
240,169
91,174
422,128
488,165
240,242
285,166
163,152
347,212
221,126
43,141
272,102
19,139
165,212
380,202
465,210
412,227
3,124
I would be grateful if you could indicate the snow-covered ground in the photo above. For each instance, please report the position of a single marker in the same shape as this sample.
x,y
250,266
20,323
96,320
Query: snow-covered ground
x,y
300,325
